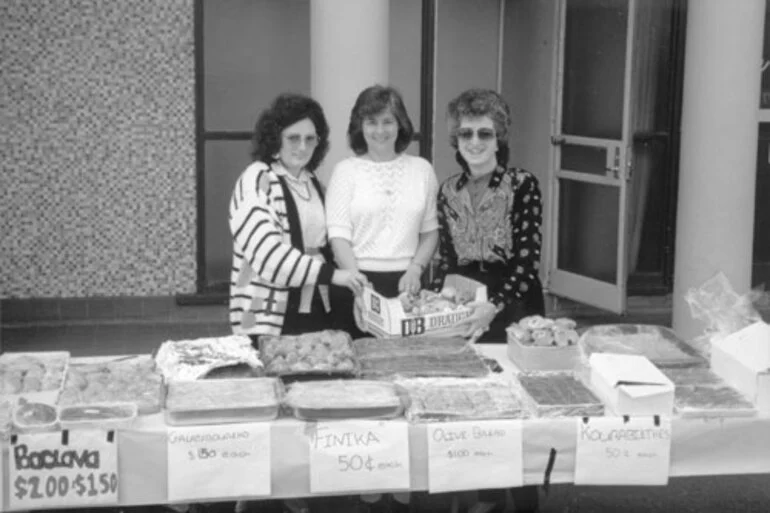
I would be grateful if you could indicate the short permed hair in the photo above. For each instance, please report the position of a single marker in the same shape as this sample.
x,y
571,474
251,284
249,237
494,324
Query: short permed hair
x,y
287,109
476,103
371,102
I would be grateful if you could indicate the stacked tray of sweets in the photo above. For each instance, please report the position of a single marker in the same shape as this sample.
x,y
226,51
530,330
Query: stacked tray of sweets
x,y
558,394
536,343
344,399
316,355
222,401
419,357
33,376
97,388
446,399
658,344
186,360
698,392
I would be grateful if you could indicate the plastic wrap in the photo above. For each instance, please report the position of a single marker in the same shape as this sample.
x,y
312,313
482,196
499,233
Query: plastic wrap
x,y
558,394
33,417
186,360
711,401
223,400
128,379
723,311
344,399
447,399
658,344
419,357
33,376
317,355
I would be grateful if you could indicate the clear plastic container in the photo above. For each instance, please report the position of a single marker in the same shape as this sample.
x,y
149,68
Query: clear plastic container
x,y
219,401
33,417
33,376
344,399
116,415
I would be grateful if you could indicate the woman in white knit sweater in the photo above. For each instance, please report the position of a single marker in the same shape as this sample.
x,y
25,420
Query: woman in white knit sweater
x,y
381,203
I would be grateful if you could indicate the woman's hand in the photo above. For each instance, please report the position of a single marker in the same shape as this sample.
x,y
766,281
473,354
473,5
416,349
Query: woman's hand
x,y
482,315
410,280
354,280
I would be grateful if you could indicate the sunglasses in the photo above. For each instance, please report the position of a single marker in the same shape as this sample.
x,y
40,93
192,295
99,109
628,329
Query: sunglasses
x,y
295,140
484,134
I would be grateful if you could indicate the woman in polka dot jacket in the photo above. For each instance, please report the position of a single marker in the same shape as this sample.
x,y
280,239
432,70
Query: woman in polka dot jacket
x,y
489,217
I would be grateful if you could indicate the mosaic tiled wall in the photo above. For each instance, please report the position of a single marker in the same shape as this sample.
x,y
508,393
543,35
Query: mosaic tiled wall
x,y
97,148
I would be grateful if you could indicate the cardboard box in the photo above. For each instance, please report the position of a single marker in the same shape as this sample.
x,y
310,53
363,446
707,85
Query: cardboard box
x,y
385,317
631,384
743,361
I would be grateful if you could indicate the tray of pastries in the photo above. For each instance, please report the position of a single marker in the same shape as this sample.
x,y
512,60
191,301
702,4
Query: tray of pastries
x,y
124,379
207,357
411,357
659,344
446,399
318,355
222,401
344,399
559,394
537,343
427,302
699,392
34,376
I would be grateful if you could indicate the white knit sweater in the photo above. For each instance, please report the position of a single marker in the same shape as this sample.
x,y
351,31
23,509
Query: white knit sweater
x,y
382,208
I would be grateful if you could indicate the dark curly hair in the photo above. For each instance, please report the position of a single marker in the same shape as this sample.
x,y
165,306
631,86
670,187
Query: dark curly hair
x,y
476,103
372,101
287,109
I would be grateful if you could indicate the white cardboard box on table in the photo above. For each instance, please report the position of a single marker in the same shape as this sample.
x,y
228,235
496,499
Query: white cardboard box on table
x,y
742,359
385,317
631,385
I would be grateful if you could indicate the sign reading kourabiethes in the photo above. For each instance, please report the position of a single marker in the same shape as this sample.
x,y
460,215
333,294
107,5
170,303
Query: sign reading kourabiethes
x,y
63,468
359,455
623,450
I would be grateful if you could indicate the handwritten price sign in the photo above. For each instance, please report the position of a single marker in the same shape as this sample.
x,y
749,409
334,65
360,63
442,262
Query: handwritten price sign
x,y
623,451
475,454
67,468
359,456
219,461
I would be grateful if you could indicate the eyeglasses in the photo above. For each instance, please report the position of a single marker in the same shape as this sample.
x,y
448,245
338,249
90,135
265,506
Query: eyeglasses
x,y
484,134
295,140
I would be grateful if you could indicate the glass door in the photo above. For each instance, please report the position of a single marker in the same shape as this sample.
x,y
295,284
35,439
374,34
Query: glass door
x,y
592,153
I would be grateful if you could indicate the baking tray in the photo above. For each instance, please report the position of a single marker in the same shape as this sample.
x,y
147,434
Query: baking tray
x,y
658,344
319,355
559,394
345,399
23,417
222,401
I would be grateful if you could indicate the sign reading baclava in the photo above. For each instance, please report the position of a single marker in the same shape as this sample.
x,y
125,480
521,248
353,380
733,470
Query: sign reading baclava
x,y
398,317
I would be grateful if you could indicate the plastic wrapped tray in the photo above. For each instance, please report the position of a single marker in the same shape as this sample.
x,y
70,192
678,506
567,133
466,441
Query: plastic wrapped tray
x,y
324,354
448,399
188,360
344,399
222,401
659,344
123,379
414,357
115,415
33,376
711,401
559,394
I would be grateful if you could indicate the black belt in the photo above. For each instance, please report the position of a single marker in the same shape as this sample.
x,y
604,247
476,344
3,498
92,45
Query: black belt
x,y
480,266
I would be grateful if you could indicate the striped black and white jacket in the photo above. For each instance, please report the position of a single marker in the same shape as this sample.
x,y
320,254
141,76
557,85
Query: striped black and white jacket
x,y
269,263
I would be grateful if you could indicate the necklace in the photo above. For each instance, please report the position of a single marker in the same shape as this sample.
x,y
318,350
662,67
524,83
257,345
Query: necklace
x,y
304,197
